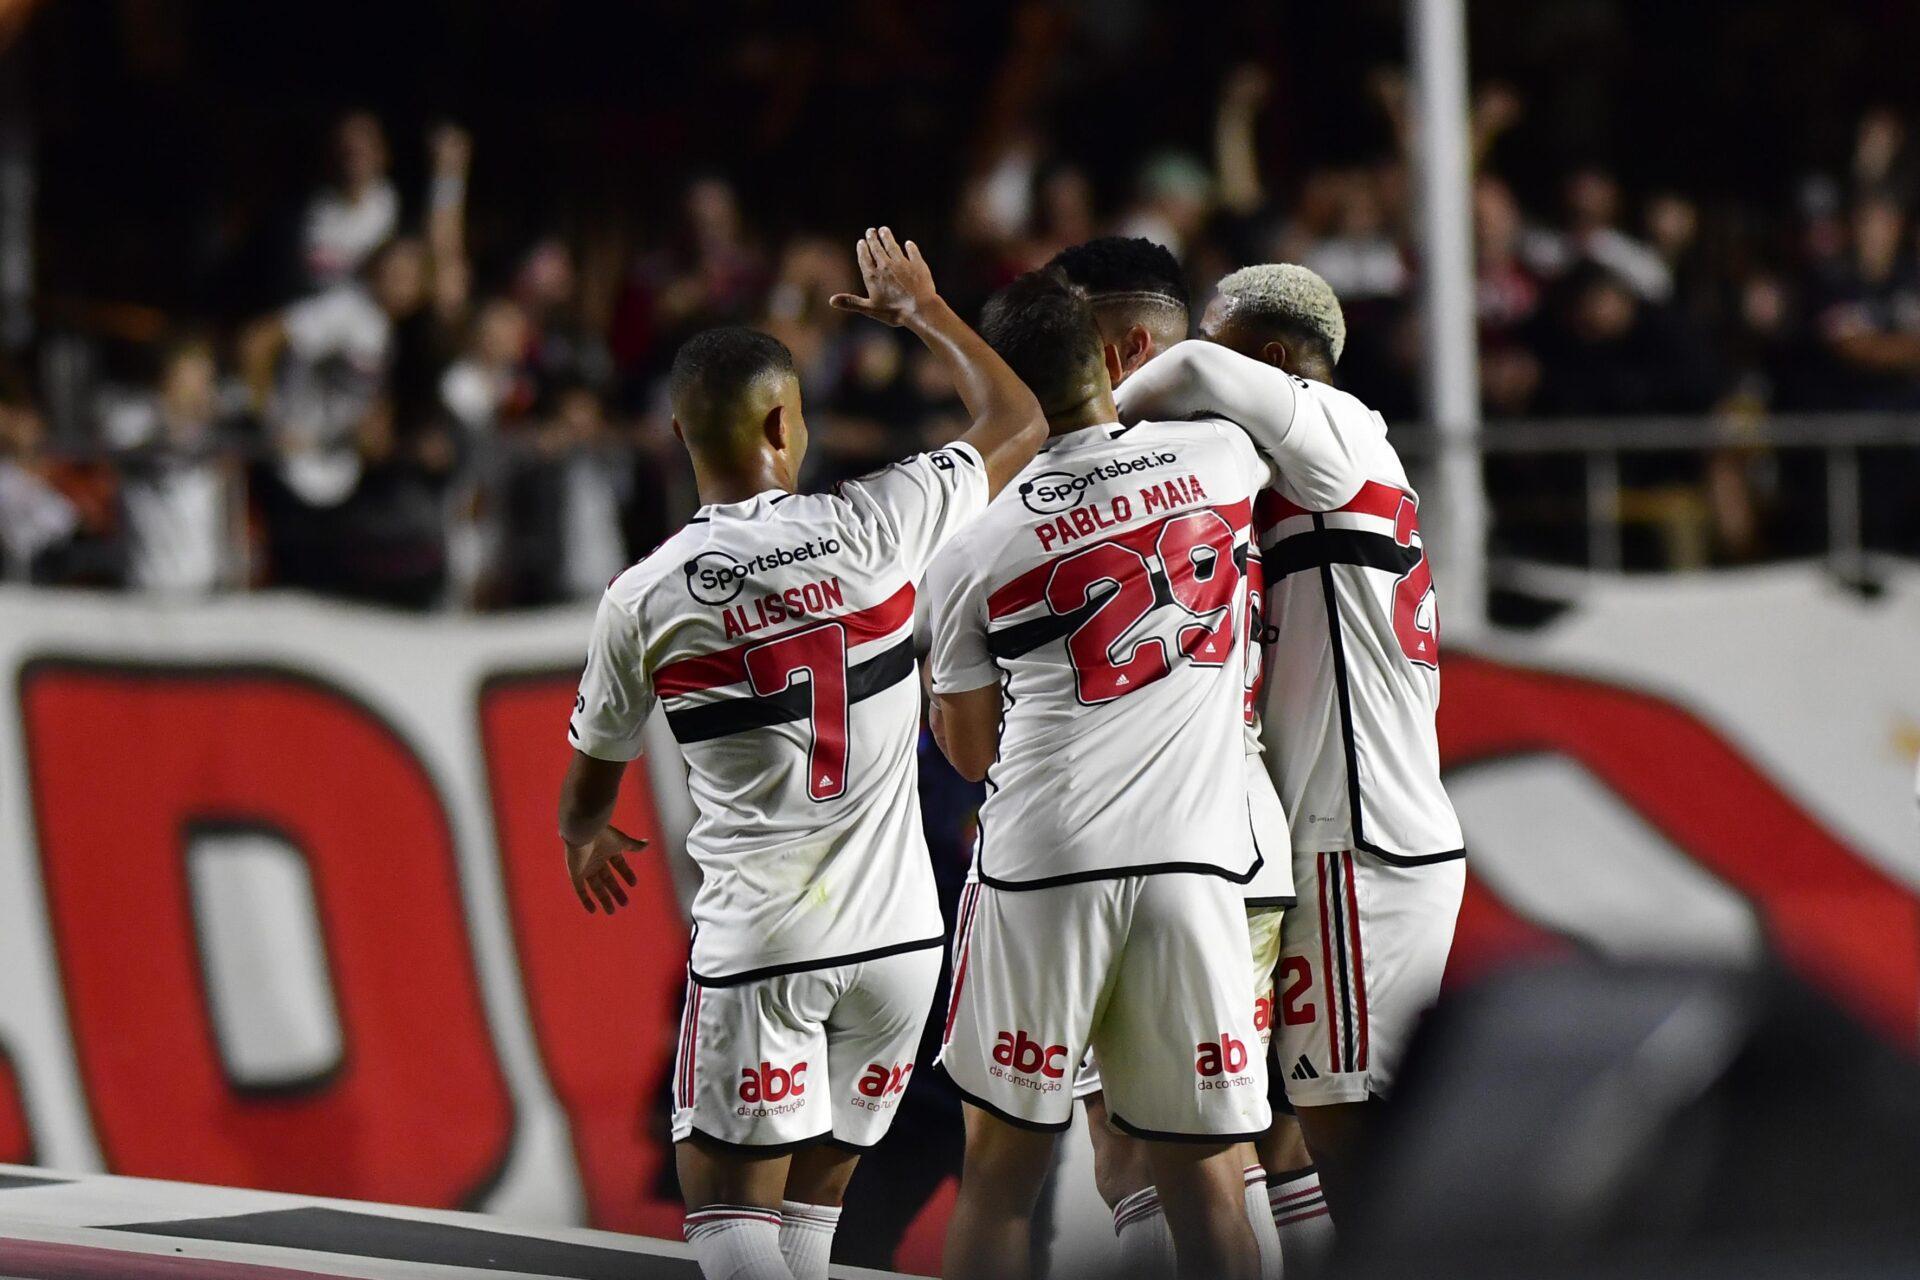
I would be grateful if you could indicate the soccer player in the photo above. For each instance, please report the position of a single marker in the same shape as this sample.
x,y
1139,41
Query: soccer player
x,y
775,630
1087,661
1139,297
1377,850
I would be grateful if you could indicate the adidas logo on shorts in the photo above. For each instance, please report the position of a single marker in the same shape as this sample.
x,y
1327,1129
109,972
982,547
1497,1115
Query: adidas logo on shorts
x,y
1303,1070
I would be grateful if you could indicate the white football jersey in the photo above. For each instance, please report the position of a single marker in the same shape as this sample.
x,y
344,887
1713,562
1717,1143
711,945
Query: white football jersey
x,y
1354,682
777,633
1105,592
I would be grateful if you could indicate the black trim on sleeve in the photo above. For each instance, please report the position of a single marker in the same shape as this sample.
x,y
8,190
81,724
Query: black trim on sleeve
x,y
1160,1135
802,966
1018,1122
740,714
1287,903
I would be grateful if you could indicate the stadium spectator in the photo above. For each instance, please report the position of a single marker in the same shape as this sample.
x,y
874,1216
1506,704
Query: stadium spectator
x,y
37,520
1867,313
563,497
357,211
1593,235
182,491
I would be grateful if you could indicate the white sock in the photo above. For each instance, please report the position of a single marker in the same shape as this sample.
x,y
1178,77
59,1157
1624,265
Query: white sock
x,y
737,1242
1146,1245
806,1237
1300,1214
1260,1217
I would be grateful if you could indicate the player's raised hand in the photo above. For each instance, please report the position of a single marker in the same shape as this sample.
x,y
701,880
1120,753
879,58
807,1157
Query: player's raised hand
x,y
899,285
598,866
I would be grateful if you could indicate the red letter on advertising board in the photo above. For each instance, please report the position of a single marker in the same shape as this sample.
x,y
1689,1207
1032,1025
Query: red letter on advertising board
x,y
16,1140
124,762
604,992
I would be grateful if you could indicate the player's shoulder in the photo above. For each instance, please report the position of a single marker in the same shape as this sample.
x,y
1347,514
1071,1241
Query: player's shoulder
x,y
1345,410
1200,436
669,563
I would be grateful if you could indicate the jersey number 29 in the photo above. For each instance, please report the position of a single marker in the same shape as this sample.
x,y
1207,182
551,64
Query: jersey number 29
x,y
1196,550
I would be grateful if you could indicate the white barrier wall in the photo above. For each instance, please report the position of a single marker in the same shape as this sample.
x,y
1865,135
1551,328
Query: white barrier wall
x,y
281,904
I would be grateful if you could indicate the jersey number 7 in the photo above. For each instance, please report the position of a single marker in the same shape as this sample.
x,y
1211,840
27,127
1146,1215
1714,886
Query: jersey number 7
x,y
819,656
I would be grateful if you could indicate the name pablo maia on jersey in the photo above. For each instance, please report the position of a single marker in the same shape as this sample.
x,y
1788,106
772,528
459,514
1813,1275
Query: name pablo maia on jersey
x,y
1082,522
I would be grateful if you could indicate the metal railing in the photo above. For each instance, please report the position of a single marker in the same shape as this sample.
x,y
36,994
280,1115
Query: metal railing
x,y
1600,445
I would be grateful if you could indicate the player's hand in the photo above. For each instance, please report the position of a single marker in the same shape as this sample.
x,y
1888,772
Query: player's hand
x,y
899,285
598,867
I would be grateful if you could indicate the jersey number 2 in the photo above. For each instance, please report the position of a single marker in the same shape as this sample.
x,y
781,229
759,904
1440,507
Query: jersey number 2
x,y
819,654
1421,644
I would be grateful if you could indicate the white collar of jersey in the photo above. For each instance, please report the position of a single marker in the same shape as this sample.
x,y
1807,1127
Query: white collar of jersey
x,y
743,507
1084,436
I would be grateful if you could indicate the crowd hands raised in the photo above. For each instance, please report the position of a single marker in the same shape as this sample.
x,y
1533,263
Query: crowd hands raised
x,y
408,430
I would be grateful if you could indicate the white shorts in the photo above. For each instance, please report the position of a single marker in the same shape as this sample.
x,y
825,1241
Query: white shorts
x,y
1263,935
797,1057
1361,959
1152,972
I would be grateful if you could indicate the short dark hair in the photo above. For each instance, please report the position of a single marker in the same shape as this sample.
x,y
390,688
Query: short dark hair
x,y
1120,265
715,365
1042,325
712,374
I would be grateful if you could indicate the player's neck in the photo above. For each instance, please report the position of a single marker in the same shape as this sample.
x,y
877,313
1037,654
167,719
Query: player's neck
x,y
718,489
1095,411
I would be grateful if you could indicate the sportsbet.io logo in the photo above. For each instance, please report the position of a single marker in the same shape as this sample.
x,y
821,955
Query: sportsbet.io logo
x,y
716,577
1051,492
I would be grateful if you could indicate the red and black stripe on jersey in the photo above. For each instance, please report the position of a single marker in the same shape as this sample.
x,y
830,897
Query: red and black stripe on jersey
x,y
1030,587
743,711
1320,548
1313,547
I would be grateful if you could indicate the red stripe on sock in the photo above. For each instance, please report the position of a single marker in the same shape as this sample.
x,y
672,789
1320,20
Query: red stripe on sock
x,y
1320,1212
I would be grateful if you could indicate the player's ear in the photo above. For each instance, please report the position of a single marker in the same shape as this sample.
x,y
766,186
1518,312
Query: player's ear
x,y
1275,354
679,432
1116,364
1139,346
776,428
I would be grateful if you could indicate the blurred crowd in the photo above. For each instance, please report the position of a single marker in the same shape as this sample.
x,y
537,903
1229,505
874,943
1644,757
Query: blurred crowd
x,y
405,427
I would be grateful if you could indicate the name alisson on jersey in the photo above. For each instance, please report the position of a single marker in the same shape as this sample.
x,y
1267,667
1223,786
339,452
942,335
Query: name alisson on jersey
x,y
763,611
1084,521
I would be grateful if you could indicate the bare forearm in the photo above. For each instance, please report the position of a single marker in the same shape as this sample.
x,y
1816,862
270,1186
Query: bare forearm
x,y
1008,426
587,797
986,385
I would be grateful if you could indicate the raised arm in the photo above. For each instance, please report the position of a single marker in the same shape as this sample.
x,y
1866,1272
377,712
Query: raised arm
x,y
1008,427
1283,417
